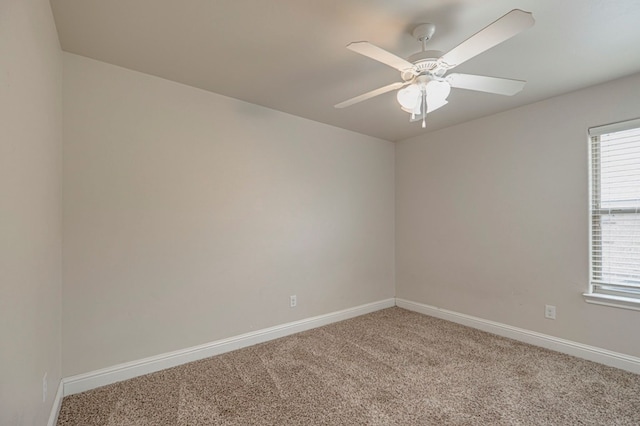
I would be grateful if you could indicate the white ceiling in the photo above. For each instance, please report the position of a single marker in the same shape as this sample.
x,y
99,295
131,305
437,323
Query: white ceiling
x,y
290,55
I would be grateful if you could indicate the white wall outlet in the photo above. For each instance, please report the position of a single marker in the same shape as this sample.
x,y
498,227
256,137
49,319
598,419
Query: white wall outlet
x,y
550,312
44,388
293,301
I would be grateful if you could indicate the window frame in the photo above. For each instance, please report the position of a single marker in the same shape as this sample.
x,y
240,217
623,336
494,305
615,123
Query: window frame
x,y
598,293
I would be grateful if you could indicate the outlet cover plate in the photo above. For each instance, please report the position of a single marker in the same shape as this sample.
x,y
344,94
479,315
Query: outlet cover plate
x,y
550,312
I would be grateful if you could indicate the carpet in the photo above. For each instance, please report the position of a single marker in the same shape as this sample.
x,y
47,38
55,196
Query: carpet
x,y
390,367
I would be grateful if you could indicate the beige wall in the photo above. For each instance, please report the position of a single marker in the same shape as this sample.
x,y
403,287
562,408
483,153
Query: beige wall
x,y
30,210
190,217
492,220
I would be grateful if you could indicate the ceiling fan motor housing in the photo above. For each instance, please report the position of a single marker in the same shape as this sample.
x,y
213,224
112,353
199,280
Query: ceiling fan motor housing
x,y
424,62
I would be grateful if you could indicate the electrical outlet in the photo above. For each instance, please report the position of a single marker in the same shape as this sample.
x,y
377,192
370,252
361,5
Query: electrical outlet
x,y
44,388
550,312
293,301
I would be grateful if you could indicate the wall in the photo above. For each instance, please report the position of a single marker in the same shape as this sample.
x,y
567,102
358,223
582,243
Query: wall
x,y
492,217
191,217
30,210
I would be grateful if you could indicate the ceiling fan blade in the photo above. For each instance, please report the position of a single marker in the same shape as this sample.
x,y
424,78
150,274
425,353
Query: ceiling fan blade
x,y
374,52
481,83
499,31
371,94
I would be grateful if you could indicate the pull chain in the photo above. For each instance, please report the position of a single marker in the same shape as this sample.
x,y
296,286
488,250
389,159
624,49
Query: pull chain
x,y
424,108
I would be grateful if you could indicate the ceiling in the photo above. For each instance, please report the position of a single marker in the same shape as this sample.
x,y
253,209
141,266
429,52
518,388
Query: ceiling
x,y
290,55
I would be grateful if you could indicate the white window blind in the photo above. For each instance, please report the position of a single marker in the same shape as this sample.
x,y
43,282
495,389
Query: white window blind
x,y
615,209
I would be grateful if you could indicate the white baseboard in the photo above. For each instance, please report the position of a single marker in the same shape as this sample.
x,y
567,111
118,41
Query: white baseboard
x,y
591,353
106,376
57,403
117,373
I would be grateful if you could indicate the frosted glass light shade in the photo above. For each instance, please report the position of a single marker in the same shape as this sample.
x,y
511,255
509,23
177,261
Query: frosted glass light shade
x,y
417,110
438,90
437,93
409,97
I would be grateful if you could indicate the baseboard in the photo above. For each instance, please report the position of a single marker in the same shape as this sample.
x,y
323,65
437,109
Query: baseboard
x,y
129,370
591,353
57,403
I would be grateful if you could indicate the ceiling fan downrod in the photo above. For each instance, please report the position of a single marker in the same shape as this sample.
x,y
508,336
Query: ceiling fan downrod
x,y
423,33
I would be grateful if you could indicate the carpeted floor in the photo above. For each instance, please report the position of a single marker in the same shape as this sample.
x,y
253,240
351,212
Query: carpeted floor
x,y
391,367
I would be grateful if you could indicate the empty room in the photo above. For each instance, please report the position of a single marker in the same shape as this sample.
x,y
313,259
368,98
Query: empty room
x,y
301,212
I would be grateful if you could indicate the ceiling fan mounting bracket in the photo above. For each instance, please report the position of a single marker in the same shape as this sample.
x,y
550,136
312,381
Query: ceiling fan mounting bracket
x,y
423,32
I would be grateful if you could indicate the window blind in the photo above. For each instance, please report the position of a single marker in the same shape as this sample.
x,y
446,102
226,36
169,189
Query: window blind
x,y
615,209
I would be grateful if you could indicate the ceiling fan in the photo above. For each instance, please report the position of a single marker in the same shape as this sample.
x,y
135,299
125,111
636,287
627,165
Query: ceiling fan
x,y
425,85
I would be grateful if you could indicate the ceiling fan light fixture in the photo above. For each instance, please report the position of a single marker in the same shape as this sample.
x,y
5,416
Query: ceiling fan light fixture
x,y
409,97
438,90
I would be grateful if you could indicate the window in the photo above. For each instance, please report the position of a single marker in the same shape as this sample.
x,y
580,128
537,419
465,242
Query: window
x,y
615,215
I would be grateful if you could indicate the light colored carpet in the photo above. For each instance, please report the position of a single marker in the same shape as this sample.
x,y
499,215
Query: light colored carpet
x,y
391,367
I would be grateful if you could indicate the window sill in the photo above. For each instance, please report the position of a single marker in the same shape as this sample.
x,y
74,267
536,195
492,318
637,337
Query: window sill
x,y
614,301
